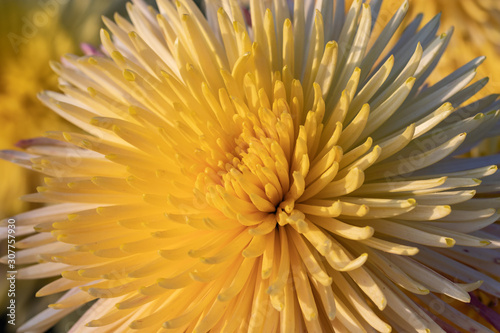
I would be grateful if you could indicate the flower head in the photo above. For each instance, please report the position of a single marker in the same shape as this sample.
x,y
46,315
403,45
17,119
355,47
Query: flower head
x,y
279,176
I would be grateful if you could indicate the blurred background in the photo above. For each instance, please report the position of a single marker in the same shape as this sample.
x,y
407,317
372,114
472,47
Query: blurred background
x,y
34,32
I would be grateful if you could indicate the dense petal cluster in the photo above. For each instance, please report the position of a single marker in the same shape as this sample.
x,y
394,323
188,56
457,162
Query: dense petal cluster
x,y
275,176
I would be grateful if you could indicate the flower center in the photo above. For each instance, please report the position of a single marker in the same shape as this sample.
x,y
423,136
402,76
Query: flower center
x,y
258,171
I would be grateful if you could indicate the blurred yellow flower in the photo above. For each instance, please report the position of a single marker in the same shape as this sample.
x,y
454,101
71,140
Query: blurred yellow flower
x,y
476,33
34,33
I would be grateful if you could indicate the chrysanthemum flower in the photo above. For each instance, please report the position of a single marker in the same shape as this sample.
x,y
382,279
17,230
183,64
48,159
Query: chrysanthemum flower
x,y
282,176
